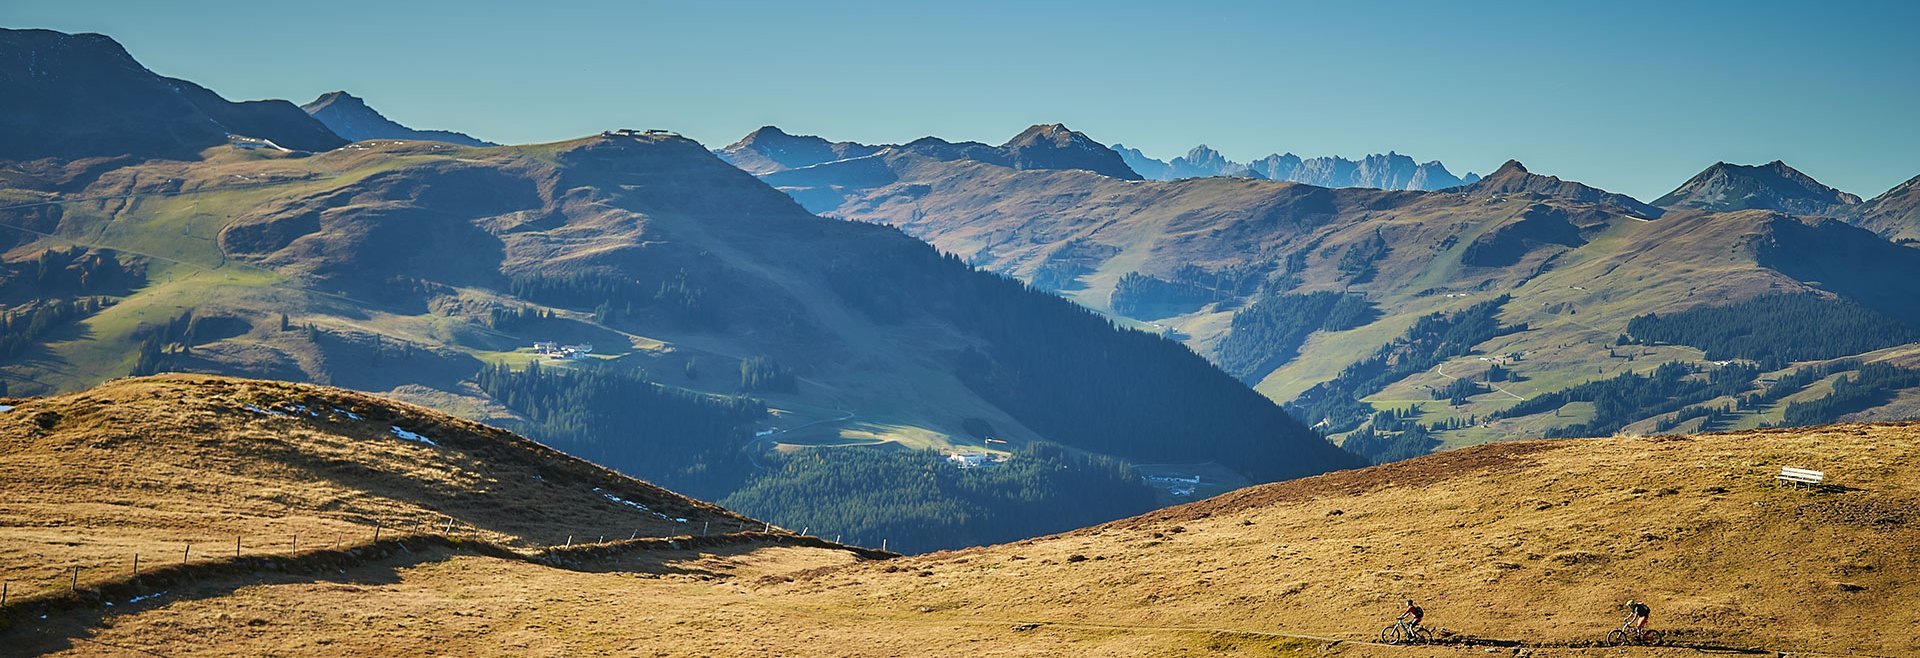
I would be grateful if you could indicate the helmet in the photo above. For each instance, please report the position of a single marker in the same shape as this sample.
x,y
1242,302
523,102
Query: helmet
x,y
1631,603
1409,601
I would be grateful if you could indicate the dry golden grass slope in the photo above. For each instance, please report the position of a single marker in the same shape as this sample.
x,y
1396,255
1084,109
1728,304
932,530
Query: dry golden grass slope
x,y
152,465
1518,548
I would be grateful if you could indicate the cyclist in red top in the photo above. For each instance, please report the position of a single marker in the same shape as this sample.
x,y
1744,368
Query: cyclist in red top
x,y
1413,613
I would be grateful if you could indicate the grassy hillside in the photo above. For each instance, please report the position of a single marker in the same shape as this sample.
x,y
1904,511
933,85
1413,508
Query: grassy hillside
x,y
1524,547
151,465
1195,259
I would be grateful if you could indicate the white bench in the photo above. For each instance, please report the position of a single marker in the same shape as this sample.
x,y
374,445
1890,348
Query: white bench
x,y
1801,476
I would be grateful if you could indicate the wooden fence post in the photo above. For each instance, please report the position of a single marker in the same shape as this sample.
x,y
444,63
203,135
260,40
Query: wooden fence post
x,y
376,532
236,547
74,585
883,544
296,542
3,594
136,566
705,526
569,541
184,552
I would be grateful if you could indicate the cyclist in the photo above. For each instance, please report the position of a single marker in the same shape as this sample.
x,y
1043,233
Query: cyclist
x,y
1412,614
1637,615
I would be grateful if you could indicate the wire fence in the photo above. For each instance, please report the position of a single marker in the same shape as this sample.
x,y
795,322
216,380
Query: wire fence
x,y
76,583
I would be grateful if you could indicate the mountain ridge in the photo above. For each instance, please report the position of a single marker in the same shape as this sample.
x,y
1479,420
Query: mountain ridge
x,y
1387,171
351,118
1772,186
73,97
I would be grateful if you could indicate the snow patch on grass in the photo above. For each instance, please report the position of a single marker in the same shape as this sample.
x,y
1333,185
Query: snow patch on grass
x,y
410,436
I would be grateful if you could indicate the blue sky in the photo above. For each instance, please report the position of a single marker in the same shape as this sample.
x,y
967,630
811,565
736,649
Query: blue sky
x,y
1631,96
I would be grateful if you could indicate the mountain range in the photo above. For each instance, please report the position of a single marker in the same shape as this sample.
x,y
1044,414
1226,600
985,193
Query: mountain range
x,y
1389,171
1565,276
736,324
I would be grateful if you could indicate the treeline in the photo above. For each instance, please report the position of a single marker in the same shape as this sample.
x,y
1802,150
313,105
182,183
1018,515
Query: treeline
x,y
74,271
1874,385
1072,376
1186,289
23,327
1431,340
1141,296
614,297
517,317
1776,329
1392,435
917,501
1630,396
684,441
1458,390
1716,416
1794,382
1358,264
179,335
762,374
1269,333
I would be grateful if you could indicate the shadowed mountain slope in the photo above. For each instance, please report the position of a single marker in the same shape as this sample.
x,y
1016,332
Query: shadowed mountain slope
x,y
79,96
1895,214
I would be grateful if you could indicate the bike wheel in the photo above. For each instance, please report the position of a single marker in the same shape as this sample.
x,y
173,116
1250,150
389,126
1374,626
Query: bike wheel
x,y
1650,637
1423,636
1616,637
1390,635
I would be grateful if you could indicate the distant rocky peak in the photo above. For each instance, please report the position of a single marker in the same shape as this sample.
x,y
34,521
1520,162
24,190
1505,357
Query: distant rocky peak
x,y
1513,178
1055,146
350,117
1772,186
1055,133
765,133
1509,168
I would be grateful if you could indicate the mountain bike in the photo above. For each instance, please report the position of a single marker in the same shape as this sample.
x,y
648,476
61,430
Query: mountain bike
x,y
1626,634
1404,632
